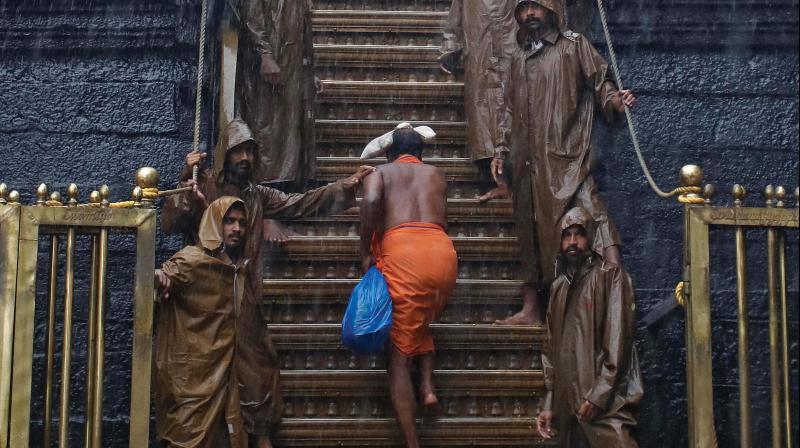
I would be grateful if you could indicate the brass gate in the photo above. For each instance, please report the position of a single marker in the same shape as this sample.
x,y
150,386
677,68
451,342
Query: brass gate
x,y
22,229
776,218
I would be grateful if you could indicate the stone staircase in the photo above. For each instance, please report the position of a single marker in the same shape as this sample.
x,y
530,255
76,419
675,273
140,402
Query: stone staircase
x,y
377,59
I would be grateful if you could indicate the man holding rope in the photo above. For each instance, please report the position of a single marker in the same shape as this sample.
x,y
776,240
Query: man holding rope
x,y
557,79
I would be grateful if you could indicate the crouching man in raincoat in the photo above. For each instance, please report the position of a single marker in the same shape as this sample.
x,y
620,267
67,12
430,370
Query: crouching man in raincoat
x,y
203,398
590,364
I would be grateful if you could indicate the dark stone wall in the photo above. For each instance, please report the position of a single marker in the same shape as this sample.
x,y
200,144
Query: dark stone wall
x,y
90,90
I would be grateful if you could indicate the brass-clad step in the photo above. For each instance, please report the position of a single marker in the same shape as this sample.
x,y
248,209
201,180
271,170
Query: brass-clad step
x,y
381,92
363,131
378,21
355,383
379,56
447,336
384,5
300,290
383,432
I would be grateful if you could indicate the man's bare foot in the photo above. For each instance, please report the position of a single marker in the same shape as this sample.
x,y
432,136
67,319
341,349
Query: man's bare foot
x,y
275,232
524,317
430,405
498,192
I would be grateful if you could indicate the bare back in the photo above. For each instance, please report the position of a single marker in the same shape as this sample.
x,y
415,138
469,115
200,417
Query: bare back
x,y
413,192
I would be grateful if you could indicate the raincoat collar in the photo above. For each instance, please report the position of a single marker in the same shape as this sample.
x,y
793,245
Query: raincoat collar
x,y
210,234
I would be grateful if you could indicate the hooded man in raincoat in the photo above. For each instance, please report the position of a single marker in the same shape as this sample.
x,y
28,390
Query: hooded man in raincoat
x,y
209,394
556,81
276,88
591,368
234,163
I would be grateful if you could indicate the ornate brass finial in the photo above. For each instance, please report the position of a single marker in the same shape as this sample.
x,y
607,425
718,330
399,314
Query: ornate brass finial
x,y
3,193
41,195
691,176
147,177
780,195
708,194
136,196
769,195
95,198
72,195
13,197
105,193
55,198
739,194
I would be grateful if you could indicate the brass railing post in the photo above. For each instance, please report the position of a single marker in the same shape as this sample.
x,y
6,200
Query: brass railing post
x,y
698,323
66,349
9,252
739,194
780,196
774,355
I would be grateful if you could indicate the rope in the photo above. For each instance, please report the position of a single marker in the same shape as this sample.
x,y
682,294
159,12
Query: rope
x,y
198,104
683,191
679,297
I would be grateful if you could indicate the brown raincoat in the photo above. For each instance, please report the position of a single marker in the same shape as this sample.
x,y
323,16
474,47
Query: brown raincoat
x,y
589,353
551,98
282,120
197,385
181,214
482,34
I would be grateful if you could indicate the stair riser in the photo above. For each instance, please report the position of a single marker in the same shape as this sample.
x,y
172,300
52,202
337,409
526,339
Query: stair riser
x,y
372,107
477,358
312,268
351,228
385,5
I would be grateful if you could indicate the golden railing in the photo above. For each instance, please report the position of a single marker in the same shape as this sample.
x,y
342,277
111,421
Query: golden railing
x,y
22,229
694,295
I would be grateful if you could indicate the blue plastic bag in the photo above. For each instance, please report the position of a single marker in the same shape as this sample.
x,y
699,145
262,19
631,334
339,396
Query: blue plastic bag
x,y
368,319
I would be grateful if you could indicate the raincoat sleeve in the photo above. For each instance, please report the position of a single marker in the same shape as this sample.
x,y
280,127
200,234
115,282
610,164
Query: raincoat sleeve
x,y
598,77
504,121
332,198
453,29
180,269
181,212
256,19
547,364
617,338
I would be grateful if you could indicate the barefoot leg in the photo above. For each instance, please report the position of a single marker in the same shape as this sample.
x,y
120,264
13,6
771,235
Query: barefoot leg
x,y
531,313
426,389
402,392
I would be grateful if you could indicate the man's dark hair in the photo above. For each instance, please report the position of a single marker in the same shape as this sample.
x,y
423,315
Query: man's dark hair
x,y
405,141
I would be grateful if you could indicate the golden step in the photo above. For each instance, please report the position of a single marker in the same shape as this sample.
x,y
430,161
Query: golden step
x,y
366,21
388,92
364,131
381,56
383,432
370,383
455,169
336,290
446,336
465,208
347,248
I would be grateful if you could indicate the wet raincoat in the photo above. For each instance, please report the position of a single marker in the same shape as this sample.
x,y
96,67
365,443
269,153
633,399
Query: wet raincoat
x,y
181,214
481,33
553,90
197,383
589,353
282,120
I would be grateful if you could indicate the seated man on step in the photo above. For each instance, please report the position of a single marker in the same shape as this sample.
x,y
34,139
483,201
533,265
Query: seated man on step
x,y
403,222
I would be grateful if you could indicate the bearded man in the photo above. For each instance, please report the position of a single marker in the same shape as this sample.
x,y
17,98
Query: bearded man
x,y
234,162
208,392
276,87
557,79
590,363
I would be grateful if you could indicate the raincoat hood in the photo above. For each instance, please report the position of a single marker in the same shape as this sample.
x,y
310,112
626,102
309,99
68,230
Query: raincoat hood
x,y
210,234
557,6
236,133
578,216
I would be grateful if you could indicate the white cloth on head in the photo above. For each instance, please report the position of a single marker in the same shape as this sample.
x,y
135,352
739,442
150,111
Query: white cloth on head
x,y
381,145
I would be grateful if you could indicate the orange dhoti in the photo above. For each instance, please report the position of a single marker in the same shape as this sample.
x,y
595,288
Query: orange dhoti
x,y
419,263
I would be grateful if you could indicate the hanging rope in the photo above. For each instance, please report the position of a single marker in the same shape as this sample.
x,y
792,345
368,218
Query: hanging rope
x,y
198,104
682,191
